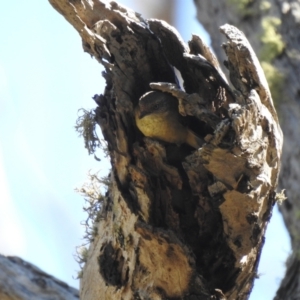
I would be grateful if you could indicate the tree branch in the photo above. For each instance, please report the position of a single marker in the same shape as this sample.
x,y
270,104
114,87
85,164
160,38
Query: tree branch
x,y
22,280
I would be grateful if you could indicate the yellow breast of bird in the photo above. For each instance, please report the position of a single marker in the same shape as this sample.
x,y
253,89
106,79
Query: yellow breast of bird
x,y
163,126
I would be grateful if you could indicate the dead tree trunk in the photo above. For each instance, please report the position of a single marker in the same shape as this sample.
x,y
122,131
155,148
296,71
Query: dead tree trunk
x,y
178,222
273,30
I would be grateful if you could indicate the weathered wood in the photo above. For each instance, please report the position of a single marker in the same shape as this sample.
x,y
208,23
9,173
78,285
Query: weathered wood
x,y
20,280
178,223
272,27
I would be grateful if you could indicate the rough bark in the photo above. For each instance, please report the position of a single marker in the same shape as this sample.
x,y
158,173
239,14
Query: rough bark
x,y
20,280
178,223
252,18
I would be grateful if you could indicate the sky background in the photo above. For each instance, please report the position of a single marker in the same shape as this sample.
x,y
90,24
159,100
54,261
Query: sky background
x,y
45,77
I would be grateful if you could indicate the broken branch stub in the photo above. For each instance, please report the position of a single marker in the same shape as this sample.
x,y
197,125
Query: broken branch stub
x,y
178,222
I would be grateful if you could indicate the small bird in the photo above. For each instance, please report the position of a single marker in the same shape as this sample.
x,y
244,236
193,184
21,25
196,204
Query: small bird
x,y
157,117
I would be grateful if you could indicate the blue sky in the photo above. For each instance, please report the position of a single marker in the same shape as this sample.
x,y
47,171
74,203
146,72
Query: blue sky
x,y
45,77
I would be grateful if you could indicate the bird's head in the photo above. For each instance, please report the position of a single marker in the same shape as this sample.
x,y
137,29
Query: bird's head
x,y
156,102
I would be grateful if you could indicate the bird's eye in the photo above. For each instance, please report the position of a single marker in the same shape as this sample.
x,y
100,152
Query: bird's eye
x,y
155,107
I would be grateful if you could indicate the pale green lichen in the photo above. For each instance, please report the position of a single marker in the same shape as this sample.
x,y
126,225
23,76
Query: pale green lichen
x,y
272,43
247,8
240,4
81,258
82,254
93,191
86,127
79,274
272,47
280,196
275,80
243,7
264,6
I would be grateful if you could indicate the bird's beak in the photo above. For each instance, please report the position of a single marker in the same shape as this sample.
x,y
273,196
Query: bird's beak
x,y
142,114
138,113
